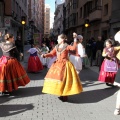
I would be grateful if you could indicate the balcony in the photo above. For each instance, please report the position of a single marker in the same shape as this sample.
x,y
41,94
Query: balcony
x,y
96,13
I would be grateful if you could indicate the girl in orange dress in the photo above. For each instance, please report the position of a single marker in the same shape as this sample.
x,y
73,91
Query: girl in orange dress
x,y
12,74
62,78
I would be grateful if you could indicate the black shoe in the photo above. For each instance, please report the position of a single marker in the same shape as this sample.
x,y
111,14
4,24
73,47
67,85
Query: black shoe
x,y
5,93
63,98
108,84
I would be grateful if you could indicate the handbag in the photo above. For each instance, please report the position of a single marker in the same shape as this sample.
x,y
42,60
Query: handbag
x,y
110,66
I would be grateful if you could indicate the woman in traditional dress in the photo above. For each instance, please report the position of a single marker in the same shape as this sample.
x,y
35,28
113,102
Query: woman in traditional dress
x,y
77,54
12,74
109,66
34,63
62,78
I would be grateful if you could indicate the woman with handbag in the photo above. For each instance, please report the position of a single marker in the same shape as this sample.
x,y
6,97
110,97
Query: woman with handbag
x,y
109,65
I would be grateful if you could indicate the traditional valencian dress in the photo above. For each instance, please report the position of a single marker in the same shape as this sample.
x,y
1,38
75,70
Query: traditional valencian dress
x,y
75,57
12,74
62,79
34,63
109,66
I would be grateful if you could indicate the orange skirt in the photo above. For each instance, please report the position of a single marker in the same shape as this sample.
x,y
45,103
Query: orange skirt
x,y
12,75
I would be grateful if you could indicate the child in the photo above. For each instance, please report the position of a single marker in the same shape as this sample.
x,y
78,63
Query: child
x,y
109,66
34,63
76,56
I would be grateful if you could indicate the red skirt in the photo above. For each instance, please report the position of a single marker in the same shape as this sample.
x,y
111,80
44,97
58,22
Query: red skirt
x,y
12,75
34,64
107,77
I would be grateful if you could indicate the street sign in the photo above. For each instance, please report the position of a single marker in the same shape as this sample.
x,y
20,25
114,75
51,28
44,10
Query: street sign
x,y
7,21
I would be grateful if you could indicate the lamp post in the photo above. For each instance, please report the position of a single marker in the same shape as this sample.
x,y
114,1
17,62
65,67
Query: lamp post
x,y
23,22
86,26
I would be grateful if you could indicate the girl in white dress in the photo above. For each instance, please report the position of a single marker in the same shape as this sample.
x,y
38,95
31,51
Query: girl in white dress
x,y
75,56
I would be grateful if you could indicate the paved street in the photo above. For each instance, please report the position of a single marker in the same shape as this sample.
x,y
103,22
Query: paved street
x,y
96,102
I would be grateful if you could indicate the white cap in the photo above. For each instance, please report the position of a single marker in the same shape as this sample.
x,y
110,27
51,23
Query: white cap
x,y
79,37
117,36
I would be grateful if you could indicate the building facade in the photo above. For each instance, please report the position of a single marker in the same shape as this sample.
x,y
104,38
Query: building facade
x,y
36,19
115,17
97,12
58,2
58,19
12,11
47,21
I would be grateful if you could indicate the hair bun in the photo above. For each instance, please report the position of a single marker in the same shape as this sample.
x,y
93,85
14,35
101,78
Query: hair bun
x,y
6,37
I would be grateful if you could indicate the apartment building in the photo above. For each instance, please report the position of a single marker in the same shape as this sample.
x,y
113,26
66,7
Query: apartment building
x,y
47,21
97,12
58,2
36,19
11,12
58,19
115,17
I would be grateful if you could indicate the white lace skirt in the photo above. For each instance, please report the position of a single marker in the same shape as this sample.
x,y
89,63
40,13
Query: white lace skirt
x,y
76,61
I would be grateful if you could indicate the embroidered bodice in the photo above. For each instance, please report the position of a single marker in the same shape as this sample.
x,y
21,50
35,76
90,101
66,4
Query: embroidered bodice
x,y
9,49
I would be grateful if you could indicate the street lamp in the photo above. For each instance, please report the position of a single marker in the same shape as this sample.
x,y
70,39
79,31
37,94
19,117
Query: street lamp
x,y
23,22
87,24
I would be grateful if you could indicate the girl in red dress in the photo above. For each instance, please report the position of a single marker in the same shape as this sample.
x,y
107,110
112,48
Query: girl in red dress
x,y
109,66
34,63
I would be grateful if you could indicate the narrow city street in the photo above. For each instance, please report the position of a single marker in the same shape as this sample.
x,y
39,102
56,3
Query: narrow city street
x,y
96,102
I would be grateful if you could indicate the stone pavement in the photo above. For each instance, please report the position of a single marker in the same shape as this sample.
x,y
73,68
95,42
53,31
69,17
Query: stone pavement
x,y
96,102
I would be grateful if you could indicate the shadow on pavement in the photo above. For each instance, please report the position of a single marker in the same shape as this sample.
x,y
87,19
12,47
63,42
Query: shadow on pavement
x,y
9,110
89,77
27,92
21,93
92,96
88,74
37,76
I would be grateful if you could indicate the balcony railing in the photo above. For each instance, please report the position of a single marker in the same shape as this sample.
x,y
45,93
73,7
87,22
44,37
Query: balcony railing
x,y
95,13
96,8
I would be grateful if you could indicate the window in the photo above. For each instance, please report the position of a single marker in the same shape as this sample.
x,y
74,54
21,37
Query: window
x,y
74,4
105,9
81,12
